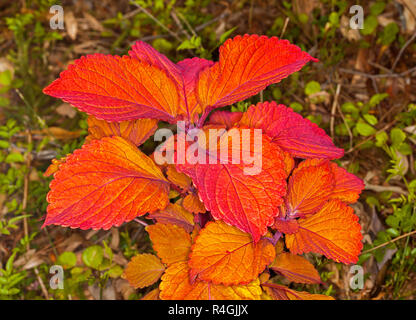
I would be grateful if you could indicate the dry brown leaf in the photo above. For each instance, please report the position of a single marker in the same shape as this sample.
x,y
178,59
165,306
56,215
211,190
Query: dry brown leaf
x,y
94,23
66,110
71,25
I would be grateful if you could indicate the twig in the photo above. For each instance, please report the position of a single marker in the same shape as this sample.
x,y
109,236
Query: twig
x,y
284,27
391,241
370,137
377,188
24,206
408,42
206,24
26,189
173,34
188,25
376,76
141,222
346,126
179,24
334,107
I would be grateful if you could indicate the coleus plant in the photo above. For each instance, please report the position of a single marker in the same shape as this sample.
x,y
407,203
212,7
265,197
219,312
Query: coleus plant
x,y
218,232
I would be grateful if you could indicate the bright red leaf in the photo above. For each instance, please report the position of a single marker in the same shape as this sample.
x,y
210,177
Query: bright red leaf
x,y
293,133
116,88
248,64
245,201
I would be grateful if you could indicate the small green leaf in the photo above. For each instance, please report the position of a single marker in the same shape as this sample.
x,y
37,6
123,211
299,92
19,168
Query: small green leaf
x,y
5,78
296,106
115,271
4,144
370,119
162,45
377,8
370,25
365,129
334,18
303,18
397,136
226,34
381,138
312,87
67,259
393,232
93,256
14,157
377,98
389,33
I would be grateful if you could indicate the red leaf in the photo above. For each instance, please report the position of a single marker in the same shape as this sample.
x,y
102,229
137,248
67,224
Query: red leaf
x,y
294,134
289,226
104,184
248,64
225,118
248,202
184,73
116,88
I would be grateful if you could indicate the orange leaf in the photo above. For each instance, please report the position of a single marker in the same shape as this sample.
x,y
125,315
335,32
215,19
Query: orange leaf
x,y
152,295
295,268
174,214
225,255
54,166
289,162
175,285
136,131
178,178
143,270
248,64
104,184
172,243
309,188
116,88
287,226
347,186
333,231
192,203
279,292
184,73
